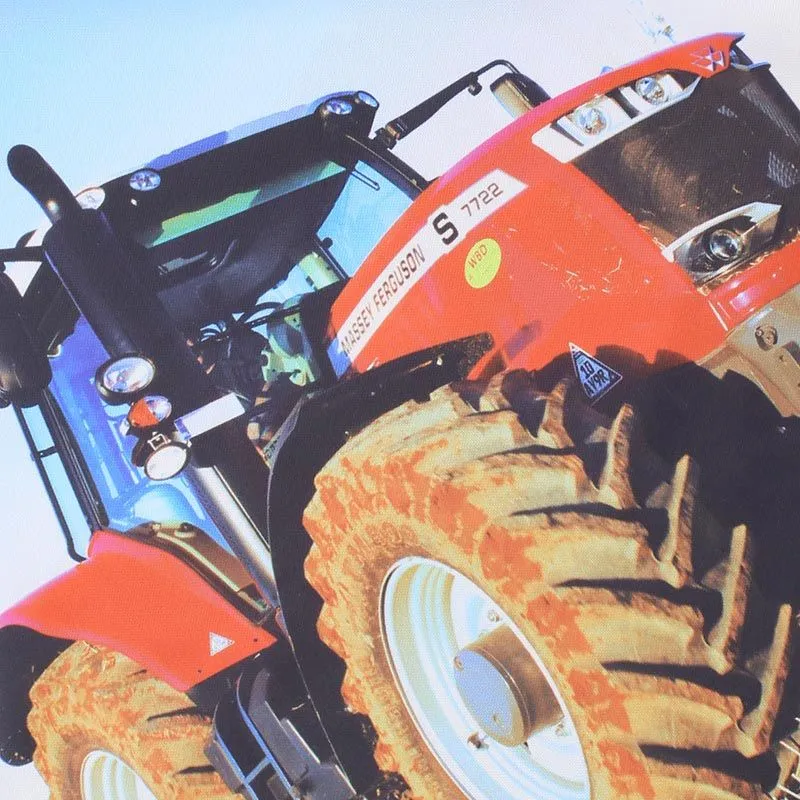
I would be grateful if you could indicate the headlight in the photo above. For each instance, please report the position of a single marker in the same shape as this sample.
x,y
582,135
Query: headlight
x,y
716,246
144,180
338,106
161,455
367,99
91,198
725,245
652,90
590,119
120,379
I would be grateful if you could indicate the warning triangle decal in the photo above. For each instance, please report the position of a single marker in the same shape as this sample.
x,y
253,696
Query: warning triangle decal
x,y
217,643
596,377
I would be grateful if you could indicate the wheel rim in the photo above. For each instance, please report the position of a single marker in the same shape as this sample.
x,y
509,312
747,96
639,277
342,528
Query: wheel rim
x,y
105,776
430,614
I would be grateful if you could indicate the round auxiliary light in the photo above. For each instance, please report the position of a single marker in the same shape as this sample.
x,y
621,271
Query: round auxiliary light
x,y
149,411
91,198
725,245
338,106
161,455
590,119
119,379
144,180
367,99
652,90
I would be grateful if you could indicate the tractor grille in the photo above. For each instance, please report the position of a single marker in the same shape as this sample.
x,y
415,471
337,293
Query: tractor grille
x,y
734,141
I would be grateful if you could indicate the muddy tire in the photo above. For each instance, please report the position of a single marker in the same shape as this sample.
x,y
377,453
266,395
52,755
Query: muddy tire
x,y
97,716
637,610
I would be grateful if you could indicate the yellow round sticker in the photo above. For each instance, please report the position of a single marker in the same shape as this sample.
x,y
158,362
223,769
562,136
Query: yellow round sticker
x,y
483,263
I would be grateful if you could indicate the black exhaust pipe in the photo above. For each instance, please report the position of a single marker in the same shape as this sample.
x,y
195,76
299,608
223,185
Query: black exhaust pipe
x,y
106,284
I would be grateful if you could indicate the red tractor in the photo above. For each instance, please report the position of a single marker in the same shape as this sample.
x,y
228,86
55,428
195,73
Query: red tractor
x,y
477,487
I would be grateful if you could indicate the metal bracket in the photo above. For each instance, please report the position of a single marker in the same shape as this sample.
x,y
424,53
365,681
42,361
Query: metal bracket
x,y
260,752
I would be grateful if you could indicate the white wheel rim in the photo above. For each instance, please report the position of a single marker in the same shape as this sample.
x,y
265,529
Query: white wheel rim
x,y
429,612
105,776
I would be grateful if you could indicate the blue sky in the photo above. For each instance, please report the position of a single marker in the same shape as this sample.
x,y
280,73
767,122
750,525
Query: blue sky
x,y
99,87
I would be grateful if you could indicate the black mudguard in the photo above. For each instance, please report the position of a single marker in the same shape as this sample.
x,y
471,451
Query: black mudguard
x,y
318,426
24,369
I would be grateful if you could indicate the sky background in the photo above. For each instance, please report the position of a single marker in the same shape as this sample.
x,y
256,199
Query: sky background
x,y
100,87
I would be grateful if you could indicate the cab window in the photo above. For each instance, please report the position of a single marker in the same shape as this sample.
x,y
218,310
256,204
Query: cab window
x,y
367,207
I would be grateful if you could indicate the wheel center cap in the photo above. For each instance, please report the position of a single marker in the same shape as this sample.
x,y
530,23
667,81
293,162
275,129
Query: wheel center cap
x,y
503,687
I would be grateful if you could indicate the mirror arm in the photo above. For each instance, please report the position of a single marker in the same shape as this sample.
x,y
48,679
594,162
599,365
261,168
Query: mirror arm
x,y
391,133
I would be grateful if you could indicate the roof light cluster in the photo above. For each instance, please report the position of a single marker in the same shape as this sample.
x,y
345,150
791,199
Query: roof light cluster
x,y
343,105
607,115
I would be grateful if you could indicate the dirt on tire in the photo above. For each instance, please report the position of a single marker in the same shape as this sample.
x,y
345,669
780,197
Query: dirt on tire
x,y
93,699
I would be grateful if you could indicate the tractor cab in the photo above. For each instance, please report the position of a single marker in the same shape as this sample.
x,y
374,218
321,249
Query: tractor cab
x,y
213,267
210,270
216,265
221,243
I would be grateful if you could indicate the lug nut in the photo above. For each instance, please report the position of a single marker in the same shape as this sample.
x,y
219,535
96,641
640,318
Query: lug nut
x,y
477,741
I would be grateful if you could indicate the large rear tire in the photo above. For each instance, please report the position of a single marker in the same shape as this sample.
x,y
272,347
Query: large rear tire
x,y
108,730
490,501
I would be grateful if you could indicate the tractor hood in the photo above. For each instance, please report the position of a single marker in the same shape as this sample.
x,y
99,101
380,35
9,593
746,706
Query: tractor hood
x,y
649,210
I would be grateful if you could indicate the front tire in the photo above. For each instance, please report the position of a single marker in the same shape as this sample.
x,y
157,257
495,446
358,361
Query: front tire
x,y
635,609
106,729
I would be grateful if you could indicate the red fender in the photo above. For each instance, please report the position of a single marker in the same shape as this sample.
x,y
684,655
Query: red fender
x,y
146,603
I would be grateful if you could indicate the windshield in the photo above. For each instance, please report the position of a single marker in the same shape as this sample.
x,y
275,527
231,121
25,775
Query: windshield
x,y
262,335
197,218
265,352
366,208
217,257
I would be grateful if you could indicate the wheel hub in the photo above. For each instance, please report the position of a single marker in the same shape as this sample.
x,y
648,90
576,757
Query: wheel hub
x,y
504,689
477,690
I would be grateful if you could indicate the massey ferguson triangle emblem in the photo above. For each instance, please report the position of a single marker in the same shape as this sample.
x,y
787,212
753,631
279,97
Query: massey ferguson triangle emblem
x,y
596,377
710,59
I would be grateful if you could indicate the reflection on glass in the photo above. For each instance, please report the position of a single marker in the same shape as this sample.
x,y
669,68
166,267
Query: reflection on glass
x,y
128,497
367,207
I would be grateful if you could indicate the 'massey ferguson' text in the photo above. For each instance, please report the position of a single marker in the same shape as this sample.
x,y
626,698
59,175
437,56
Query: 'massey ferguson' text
x,y
382,296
